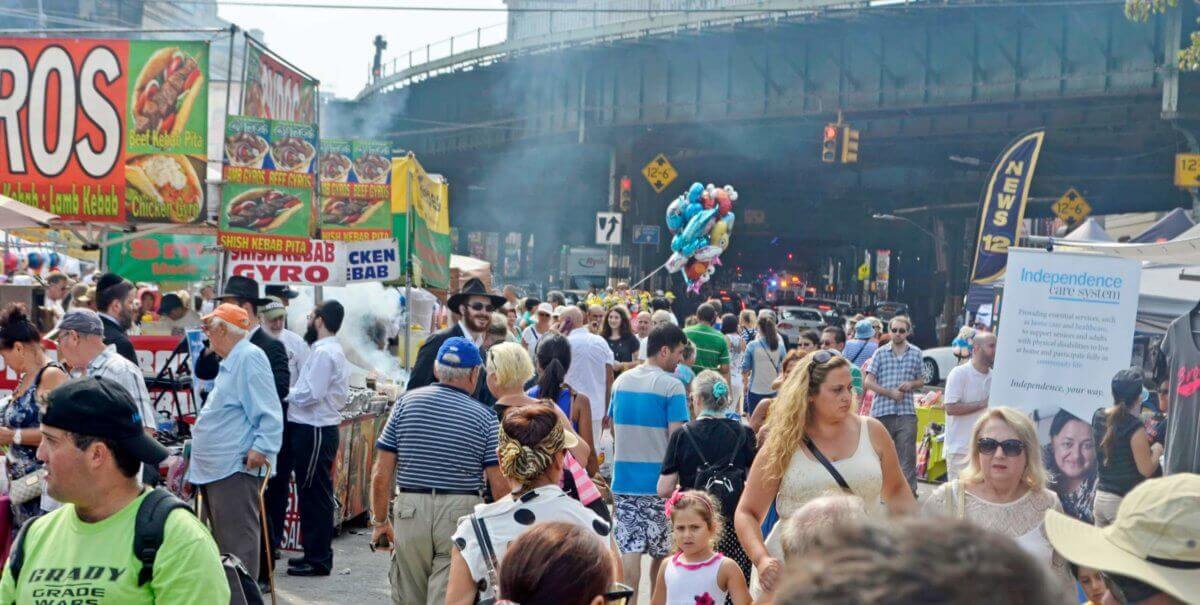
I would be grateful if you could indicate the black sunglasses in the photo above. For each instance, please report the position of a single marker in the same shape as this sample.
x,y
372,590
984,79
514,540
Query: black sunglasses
x,y
899,330
619,594
1011,447
481,306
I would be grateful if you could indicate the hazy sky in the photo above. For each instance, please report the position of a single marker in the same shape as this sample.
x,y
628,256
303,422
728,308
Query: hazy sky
x,y
335,45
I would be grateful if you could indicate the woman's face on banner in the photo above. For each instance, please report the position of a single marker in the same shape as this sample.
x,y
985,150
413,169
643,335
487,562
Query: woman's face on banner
x,y
1075,449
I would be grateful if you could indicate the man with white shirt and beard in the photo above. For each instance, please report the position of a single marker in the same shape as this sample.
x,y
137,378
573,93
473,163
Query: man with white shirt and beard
x,y
274,318
314,411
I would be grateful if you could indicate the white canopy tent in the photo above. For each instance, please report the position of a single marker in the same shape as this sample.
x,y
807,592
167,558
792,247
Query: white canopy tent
x,y
1170,285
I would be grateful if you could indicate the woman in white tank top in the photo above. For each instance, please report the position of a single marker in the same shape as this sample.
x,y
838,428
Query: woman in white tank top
x,y
813,417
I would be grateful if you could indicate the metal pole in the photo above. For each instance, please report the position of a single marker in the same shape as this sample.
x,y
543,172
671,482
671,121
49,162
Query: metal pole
x,y
408,214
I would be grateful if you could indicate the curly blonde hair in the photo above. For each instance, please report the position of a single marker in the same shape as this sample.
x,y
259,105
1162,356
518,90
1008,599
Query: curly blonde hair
x,y
790,412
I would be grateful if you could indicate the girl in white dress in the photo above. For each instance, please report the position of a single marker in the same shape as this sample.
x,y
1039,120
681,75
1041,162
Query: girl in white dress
x,y
696,574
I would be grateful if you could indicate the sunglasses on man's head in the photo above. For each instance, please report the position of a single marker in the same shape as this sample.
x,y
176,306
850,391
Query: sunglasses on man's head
x,y
480,306
1011,447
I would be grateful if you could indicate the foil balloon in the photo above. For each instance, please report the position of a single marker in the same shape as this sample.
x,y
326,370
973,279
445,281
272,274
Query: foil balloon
x,y
35,260
702,222
675,218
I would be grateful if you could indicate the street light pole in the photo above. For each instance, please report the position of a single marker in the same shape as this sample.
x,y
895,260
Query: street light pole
x,y
893,217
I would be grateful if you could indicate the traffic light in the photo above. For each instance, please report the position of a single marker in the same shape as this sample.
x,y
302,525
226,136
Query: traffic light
x,y
829,145
849,145
626,194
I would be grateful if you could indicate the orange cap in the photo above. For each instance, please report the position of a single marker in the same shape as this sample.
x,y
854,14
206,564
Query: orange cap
x,y
233,314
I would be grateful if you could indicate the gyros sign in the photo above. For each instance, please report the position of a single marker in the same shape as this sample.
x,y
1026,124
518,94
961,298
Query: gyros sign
x,y
94,129
324,265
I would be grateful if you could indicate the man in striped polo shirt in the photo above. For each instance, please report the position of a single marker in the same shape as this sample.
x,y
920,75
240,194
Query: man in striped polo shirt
x,y
648,404
436,449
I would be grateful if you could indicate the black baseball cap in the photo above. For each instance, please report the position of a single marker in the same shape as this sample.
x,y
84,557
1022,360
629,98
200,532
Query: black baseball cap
x,y
284,292
99,407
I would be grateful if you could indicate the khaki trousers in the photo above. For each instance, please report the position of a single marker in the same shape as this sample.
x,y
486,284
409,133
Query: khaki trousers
x,y
423,524
956,464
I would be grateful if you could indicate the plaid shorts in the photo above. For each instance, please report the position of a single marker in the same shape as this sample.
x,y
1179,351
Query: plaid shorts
x,y
641,525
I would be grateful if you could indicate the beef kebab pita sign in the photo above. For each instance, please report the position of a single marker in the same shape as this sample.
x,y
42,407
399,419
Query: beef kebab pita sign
x,y
105,130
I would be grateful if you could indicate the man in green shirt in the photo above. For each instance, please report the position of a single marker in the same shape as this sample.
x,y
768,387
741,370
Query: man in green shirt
x,y
712,350
93,446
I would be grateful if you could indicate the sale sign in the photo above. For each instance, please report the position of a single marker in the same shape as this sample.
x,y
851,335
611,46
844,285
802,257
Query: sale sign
x,y
355,177
266,201
105,130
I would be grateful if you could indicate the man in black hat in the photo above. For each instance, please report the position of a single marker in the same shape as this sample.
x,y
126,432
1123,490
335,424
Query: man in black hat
x,y
114,302
284,293
92,447
474,304
243,292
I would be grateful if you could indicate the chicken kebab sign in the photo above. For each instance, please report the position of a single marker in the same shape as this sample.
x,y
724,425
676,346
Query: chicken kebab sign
x,y
266,201
105,130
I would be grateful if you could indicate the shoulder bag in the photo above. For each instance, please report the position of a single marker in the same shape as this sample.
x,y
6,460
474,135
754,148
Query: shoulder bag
x,y
488,595
841,481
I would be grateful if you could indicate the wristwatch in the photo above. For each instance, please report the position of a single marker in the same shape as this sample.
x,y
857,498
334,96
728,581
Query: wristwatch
x,y
17,436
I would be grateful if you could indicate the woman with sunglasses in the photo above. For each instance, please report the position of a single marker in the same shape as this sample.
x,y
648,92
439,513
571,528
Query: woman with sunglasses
x,y
1003,488
559,564
815,444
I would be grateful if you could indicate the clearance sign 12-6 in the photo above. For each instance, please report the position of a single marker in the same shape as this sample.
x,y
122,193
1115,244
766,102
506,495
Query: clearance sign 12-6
x,y
105,130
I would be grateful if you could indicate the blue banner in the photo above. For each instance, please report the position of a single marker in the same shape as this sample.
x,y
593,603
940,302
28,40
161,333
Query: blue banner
x,y
1003,206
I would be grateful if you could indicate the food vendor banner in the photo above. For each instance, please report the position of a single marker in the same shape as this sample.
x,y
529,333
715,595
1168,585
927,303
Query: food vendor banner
x,y
163,257
276,91
429,196
105,130
266,200
372,261
355,178
321,265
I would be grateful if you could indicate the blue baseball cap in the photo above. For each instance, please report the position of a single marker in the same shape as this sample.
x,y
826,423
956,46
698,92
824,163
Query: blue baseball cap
x,y
458,352
863,329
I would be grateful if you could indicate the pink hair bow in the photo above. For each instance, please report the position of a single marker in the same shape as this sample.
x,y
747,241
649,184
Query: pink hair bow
x,y
673,500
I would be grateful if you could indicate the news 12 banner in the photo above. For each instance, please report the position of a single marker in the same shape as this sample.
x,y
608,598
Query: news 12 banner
x,y
105,130
1003,206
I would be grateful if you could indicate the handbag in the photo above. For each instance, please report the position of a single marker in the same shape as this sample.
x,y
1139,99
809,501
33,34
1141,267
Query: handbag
x,y
841,481
26,487
488,595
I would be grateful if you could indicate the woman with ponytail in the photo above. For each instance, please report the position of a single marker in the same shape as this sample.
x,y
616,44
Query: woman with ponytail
x,y
712,440
762,362
553,360
21,348
532,447
1125,454
816,444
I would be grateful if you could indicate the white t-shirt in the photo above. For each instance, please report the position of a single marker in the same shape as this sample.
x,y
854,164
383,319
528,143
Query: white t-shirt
x,y
530,338
964,384
642,347
589,356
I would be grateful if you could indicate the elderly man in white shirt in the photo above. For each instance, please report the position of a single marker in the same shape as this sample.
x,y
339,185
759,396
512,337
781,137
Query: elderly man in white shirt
x,y
313,416
592,361
274,316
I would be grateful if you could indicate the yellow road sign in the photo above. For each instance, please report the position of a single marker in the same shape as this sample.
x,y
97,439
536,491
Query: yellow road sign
x,y
1071,207
1187,170
659,173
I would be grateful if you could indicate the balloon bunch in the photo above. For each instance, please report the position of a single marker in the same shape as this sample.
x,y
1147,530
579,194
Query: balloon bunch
x,y
702,222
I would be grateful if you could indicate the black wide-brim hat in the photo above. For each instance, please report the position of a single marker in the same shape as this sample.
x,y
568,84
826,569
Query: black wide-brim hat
x,y
244,288
473,287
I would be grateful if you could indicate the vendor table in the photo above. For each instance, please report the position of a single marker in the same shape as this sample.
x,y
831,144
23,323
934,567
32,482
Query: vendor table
x,y
351,475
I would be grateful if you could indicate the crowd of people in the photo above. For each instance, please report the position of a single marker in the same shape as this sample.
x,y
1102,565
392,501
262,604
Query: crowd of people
x,y
544,451
737,470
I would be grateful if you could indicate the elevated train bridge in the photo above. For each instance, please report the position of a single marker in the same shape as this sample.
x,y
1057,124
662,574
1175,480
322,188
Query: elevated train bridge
x,y
536,131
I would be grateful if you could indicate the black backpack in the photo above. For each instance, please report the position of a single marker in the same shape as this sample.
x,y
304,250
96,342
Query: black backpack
x,y
147,538
723,481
